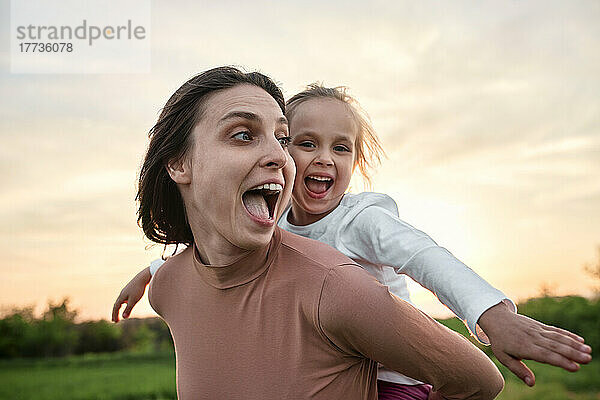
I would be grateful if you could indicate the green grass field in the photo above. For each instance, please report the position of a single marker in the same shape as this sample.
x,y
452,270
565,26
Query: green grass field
x,y
553,383
123,376
118,376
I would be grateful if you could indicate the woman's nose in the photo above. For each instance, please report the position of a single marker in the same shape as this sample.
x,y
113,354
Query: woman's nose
x,y
275,156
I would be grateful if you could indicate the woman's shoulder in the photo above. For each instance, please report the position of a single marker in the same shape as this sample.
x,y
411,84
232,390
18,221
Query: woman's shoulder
x,y
310,252
167,281
172,267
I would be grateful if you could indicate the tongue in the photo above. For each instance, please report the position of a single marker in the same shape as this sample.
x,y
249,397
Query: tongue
x,y
316,186
256,205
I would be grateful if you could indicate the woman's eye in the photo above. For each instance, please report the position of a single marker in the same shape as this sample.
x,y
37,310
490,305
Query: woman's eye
x,y
341,148
244,136
284,141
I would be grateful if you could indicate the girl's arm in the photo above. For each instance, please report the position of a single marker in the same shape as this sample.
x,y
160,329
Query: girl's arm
x,y
380,237
134,290
362,319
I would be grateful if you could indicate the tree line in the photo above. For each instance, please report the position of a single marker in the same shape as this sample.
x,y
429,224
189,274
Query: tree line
x,y
56,333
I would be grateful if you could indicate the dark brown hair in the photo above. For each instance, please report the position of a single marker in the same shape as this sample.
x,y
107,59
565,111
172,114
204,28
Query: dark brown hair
x,y
368,151
161,212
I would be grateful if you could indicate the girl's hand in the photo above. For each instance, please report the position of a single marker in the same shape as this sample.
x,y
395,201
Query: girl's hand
x,y
515,337
131,294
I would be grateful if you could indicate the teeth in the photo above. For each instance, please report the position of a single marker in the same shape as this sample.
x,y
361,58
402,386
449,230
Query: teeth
x,y
319,178
269,186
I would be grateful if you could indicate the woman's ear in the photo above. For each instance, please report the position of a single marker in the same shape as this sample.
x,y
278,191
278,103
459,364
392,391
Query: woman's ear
x,y
180,171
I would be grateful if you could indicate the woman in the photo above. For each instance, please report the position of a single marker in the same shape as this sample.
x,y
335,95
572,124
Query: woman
x,y
257,312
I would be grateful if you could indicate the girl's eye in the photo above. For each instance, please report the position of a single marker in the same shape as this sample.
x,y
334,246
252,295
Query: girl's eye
x,y
244,136
341,148
284,141
307,144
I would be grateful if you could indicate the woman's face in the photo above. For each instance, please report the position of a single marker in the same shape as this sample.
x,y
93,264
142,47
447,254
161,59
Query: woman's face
x,y
241,171
323,147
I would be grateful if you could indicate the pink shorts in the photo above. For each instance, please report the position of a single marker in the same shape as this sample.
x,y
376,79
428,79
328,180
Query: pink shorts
x,y
396,391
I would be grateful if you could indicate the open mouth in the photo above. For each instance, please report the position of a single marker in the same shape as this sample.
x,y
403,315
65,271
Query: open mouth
x,y
318,185
260,201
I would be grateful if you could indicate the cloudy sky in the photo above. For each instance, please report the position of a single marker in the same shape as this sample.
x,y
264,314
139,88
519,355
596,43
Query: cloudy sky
x,y
489,113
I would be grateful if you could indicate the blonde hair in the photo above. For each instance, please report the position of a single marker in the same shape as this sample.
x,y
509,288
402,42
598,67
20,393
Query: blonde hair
x,y
368,150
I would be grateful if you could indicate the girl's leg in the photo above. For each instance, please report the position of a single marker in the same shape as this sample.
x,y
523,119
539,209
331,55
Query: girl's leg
x,y
395,391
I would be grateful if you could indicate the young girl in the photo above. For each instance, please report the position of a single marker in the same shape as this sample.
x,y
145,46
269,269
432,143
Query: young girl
x,y
330,138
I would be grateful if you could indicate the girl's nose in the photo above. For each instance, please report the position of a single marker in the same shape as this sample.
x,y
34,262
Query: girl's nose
x,y
323,158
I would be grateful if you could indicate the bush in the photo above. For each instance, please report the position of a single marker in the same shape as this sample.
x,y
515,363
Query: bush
x,y
56,334
98,336
15,332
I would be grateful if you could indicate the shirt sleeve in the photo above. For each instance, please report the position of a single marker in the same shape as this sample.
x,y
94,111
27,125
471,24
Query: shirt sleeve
x,y
155,265
154,296
361,318
161,290
377,234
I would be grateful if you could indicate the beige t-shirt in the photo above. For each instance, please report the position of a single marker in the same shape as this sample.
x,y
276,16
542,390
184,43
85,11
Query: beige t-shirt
x,y
299,320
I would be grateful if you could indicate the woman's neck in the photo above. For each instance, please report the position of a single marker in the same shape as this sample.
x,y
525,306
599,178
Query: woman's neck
x,y
219,254
213,249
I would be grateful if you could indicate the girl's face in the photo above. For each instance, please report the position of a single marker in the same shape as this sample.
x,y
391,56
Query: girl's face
x,y
323,135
